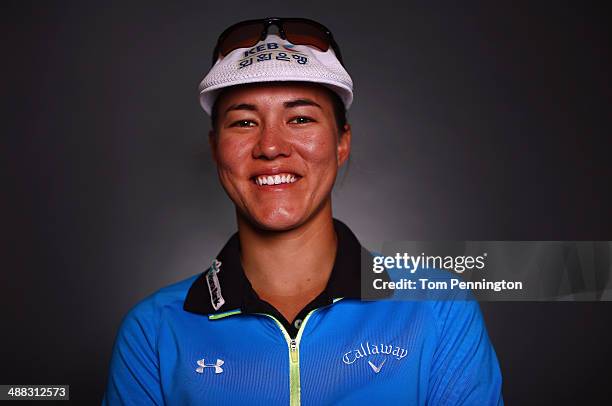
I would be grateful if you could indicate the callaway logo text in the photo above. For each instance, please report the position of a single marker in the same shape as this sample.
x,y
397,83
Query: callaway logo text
x,y
366,349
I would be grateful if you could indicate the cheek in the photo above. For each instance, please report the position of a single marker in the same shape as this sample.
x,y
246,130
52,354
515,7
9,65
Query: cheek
x,y
320,151
232,154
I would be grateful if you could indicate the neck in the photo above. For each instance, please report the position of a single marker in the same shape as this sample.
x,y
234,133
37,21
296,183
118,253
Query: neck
x,y
292,263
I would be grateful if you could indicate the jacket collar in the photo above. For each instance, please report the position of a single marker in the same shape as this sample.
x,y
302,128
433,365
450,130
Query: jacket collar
x,y
237,294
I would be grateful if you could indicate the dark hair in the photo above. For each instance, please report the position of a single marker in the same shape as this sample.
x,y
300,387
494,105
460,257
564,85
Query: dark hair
x,y
337,104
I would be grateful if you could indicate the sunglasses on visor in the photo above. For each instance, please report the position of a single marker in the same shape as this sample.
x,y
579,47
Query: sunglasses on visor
x,y
298,31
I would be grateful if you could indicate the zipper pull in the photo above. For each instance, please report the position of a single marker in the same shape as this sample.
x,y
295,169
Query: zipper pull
x,y
293,347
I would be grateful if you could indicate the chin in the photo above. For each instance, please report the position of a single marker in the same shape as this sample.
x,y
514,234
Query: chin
x,y
276,220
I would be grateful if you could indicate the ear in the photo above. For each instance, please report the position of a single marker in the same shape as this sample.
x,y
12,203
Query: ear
x,y
212,142
344,145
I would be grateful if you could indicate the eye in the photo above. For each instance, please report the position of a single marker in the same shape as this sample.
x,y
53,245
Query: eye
x,y
301,120
243,123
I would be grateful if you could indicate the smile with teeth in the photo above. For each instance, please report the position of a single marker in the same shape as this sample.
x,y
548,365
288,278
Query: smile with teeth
x,y
276,179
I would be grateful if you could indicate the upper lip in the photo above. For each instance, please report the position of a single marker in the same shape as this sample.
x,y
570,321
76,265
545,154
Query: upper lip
x,y
276,170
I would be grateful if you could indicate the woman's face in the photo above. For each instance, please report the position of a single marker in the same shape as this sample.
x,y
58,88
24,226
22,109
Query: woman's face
x,y
271,133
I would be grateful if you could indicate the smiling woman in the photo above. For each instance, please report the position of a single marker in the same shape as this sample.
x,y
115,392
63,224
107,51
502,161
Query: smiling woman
x,y
277,318
269,132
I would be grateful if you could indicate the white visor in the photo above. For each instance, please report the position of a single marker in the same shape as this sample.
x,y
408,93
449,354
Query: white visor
x,y
275,60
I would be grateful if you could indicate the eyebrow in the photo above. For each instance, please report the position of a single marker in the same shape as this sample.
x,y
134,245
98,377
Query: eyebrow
x,y
300,102
288,105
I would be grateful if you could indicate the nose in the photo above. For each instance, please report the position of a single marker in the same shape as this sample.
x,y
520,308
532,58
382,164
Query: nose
x,y
272,143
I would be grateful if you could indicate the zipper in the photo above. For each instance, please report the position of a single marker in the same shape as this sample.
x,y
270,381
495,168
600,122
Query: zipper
x,y
294,355
294,358
293,350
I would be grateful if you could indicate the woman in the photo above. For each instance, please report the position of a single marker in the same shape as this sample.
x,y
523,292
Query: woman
x,y
277,318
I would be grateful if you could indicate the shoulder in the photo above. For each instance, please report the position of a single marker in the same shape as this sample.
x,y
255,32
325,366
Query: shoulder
x,y
147,313
445,309
134,368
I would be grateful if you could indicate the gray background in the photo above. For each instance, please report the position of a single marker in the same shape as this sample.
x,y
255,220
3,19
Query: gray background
x,y
475,122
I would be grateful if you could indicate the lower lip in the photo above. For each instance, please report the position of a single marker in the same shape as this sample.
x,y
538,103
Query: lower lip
x,y
274,188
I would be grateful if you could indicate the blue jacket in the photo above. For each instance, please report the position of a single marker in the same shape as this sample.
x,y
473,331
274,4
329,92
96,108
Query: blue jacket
x,y
210,340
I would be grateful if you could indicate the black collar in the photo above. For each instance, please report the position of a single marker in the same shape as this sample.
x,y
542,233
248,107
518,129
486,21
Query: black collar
x,y
236,290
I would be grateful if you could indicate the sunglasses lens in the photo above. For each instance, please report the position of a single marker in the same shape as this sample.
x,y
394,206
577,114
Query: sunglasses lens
x,y
243,36
303,33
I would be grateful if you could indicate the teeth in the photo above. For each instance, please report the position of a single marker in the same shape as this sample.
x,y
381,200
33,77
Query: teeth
x,y
275,180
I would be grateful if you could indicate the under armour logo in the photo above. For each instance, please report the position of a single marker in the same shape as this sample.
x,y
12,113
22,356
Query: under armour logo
x,y
202,364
